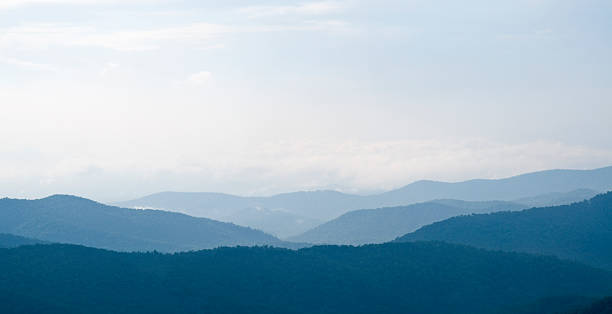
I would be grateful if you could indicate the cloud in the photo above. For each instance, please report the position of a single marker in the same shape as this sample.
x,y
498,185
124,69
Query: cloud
x,y
45,36
151,39
371,165
211,47
17,3
28,65
108,68
310,8
200,78
272,167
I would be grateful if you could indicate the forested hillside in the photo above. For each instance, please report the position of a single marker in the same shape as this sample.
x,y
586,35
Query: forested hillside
x,y
603,306
580,231
387,278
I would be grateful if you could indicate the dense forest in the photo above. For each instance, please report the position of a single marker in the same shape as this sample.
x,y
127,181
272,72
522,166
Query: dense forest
x,y
424,277
580,231
603,306
551,305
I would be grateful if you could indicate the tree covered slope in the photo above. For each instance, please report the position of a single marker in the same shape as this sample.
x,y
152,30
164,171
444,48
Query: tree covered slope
x,y
603,306
387,278
580,231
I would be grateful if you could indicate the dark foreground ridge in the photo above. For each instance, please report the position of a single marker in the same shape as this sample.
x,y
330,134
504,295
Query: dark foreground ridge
x,y
424,277
580,231
603,306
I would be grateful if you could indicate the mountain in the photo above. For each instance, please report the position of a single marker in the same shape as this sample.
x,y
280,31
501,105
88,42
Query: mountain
x,y
526,185
481,206
313,206
277,222
385,224
70,219
387,278
580,231
327,205
556,199
11,241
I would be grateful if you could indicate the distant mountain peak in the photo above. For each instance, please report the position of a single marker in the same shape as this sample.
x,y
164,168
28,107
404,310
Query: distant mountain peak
x,y
65,197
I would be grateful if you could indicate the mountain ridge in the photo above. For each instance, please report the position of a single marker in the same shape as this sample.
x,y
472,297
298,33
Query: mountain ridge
x,y
438,277
325,205
77,220
11,241
366,226
580,231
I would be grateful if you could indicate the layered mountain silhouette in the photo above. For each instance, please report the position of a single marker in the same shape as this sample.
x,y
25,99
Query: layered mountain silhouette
x,y
484,254
70,219
385,224
11,241
316,206
522,186
276,222
388,278
299,211
580,231
556,199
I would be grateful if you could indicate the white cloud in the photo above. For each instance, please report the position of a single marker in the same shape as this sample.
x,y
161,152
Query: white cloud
x,y
200,78
42,36
272,167
108,68
28,65
310,8
16,3
211,47
45,36
151,39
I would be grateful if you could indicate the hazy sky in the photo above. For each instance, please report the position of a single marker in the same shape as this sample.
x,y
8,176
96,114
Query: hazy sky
x,y
113,99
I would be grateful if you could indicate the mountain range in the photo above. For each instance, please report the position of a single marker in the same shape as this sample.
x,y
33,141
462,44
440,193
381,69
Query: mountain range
x,y
449,256
385,224
301,211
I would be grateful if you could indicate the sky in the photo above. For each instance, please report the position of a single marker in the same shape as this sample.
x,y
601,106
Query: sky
x,y
113,99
